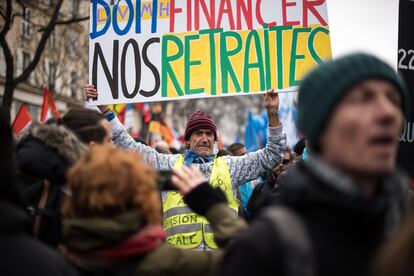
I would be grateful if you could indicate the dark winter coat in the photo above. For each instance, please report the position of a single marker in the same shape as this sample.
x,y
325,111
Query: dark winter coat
x,y
43,155
345,228
20,253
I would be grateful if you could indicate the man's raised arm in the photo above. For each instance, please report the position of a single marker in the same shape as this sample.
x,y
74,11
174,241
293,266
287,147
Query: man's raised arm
x,y
252,165
122,139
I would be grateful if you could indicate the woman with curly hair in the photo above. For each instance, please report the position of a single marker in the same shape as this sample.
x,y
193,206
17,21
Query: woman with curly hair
x,y
112,219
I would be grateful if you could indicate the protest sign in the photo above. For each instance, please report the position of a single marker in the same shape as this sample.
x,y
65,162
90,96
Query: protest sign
x,y
142,51
406,70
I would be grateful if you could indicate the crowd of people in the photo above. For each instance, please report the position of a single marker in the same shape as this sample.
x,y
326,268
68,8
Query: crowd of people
x,y
80,196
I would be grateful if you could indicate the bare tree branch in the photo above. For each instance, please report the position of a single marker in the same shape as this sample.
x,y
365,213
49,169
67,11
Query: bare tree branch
x,y
3,43
42,43
8,88
7,22
7,13
3,14
73,20
67,22
15,15
21,3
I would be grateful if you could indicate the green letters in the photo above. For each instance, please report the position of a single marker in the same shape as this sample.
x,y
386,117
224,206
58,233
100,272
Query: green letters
x,y
213,73
279,54
187,65
226,67
294,56
166,67
259,64
311,45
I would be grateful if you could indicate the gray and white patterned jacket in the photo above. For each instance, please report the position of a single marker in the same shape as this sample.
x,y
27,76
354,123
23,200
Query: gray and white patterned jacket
x,y
242,168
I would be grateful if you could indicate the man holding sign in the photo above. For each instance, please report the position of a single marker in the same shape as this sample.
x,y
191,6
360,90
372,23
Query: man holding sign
x,y
184,228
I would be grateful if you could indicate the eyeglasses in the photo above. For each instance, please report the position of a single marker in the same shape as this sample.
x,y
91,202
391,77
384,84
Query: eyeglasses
x,y
285,161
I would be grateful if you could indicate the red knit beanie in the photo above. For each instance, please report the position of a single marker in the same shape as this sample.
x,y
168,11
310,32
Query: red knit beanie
x,y
199,120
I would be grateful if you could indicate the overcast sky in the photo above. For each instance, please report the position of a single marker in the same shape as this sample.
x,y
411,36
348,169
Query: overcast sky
x,y
364,25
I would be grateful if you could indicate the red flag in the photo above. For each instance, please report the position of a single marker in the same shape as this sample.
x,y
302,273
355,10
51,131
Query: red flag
x,y
22,120
145,110
49,108
120,113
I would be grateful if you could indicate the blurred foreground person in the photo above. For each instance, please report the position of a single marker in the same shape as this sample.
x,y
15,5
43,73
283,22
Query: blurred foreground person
x,y
396,256
336,208
21,254
43,154
112,219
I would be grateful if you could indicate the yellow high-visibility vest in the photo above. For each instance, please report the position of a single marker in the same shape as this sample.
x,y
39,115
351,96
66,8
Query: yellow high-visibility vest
x,y
186,229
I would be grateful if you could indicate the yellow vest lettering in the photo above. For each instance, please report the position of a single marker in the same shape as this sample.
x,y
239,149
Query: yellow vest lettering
x,y
186,240
186,229
180,219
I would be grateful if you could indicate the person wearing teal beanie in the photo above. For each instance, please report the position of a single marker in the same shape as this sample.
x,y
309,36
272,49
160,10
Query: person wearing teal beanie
x,y
334,210
323,88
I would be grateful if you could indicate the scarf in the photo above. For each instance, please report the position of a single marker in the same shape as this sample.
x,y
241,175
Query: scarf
x,y
101,242
192,157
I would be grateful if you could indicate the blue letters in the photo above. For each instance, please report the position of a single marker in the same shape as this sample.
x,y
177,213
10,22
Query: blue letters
x,y
117,30
95,33
154,16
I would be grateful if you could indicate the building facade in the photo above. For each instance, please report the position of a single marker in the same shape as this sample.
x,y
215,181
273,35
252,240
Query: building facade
x,y
63,66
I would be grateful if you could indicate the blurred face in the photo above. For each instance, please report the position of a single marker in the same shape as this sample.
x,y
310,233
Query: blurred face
x,y
287,160
108,129
240,152
363,132
202,141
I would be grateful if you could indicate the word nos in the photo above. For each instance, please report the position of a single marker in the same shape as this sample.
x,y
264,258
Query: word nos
x,y
237,12
113,76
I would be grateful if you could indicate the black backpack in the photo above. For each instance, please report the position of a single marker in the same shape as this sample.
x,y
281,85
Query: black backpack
x,y
42,198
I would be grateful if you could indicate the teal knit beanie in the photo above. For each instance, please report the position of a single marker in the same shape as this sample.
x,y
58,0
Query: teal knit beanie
x,y
323,88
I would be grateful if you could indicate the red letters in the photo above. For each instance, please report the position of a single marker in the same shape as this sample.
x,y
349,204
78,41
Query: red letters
x,y
259,15
285,5
227,10
189,11
247,13
310,5
205,11
173,11
210,16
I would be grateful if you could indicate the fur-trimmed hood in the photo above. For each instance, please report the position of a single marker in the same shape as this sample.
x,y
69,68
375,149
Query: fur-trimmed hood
x,y
46,151
56,137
